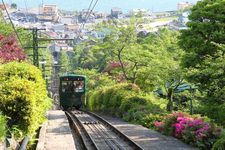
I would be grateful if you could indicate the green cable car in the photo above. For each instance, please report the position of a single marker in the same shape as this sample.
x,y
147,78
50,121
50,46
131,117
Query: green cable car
x,y
72,91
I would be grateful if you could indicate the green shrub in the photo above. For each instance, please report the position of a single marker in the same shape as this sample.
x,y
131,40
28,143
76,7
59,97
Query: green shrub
x,y
110,97
96,80
23,96
149,119
2,127
215,112
221,115
126,101
141,113
132,102
219,144
194,130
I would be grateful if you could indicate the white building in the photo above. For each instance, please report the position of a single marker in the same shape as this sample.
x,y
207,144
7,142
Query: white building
x,y
48,13
144,12
183,5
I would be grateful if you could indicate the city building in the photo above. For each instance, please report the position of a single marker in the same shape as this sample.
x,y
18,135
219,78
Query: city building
x,y
48,13
58,28
143,12
100,15
72,27
183,19
184,5
180,23
116,12
2,7
60,46
66,19
86,16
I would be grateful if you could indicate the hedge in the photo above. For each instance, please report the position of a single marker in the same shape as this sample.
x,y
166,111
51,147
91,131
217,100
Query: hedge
x,y
128,102
23,96
2,127
194,130
219,144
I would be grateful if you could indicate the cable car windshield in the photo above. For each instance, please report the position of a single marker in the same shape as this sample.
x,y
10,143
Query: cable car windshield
x,y
73,86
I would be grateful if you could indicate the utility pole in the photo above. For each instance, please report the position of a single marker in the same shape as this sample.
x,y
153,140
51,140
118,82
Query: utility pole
x,y
35,46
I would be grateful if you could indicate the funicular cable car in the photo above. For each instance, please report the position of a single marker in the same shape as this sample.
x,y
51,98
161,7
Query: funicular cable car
x,y
72,91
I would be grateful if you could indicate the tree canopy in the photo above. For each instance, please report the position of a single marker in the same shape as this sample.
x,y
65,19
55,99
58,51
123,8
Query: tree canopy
x,y
151,61
203,43
10,50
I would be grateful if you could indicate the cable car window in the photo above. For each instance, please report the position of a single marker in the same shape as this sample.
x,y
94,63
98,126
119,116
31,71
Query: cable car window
x,y
67,86
78,86
72,86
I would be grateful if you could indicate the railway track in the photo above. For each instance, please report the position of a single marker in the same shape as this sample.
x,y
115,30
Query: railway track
x,y
97,134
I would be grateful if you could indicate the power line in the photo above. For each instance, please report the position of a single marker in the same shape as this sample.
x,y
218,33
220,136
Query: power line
x,y
89,7
88,14
25,2
12,24
93,7
85,18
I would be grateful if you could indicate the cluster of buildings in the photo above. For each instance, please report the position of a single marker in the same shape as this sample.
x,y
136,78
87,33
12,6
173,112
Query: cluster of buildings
x,y
67,24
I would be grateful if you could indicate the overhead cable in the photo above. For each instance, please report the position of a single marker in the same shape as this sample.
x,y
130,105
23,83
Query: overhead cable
x,y
90,13
25,2
90,10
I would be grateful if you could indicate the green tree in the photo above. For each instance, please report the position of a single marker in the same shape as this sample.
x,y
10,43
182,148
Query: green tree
x,y
25,37
204,58
206,26
151,61
14,5
119,39
64,62
163,64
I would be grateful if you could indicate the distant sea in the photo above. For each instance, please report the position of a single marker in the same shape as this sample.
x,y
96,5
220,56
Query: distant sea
x,y
105,5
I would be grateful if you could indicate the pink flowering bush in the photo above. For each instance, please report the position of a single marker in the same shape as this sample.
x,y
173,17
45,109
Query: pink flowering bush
x,y
191,129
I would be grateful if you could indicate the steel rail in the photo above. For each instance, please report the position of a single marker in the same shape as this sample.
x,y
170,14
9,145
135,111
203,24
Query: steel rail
x,y
112,144
82,133
90,122
118,145
126,138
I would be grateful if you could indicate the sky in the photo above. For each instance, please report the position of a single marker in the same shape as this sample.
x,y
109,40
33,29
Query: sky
x,y
104,5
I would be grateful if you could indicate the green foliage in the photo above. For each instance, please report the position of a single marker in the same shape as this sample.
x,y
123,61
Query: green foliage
x,y
110,98
23,96
14,5
94,79
149,119
64,61
126,101
151,61
206,25
195,130
26,39
215,111
5,28
219,144
203,43
2,127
